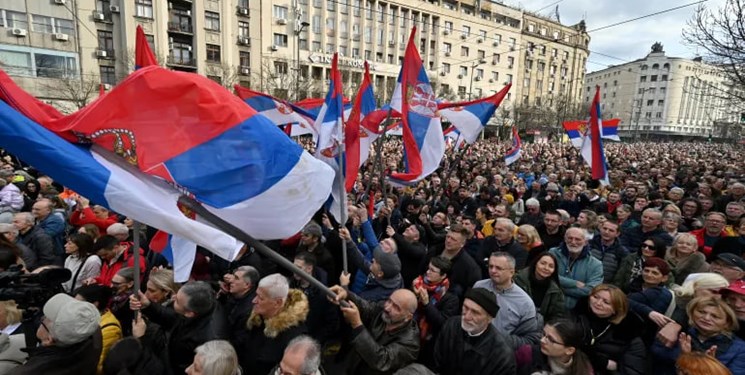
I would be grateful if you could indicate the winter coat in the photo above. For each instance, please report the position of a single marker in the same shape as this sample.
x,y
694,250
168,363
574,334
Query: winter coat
x,y
680,269
513,248
411,255
553,305
457,353
621,342
463,274
11,199
54,226
633,238
186,334
86,216
78,359
111,332
41,244
700,235
323,316
264,343
730,351
586,268
11,353
375,350
611,256
652,299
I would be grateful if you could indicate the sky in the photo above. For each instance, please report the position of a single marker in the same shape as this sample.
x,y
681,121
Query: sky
x,y
629,41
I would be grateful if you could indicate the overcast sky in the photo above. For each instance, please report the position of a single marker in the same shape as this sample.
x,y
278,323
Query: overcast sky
x,y
629,41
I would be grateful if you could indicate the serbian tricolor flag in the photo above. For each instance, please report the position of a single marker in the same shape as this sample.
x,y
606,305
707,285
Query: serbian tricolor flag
x,y
280,112
413,97
471,117
592,147
576,130
331,143
359,138
514,153
453,138
143,54
313,106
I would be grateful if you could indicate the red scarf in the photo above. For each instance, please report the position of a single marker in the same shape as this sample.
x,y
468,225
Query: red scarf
x,y
435,292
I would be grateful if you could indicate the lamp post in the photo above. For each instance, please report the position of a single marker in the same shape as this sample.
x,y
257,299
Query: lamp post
x,y
470,86
298,29
639,114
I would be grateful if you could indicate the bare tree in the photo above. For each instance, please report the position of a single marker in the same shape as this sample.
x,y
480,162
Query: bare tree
x,y
276,78
224,74
76,90
720,34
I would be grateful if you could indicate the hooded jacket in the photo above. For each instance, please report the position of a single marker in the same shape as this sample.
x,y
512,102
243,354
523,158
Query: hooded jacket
x,y
585,268
263,343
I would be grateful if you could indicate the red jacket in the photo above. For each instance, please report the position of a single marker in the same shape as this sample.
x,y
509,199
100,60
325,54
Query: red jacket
x,y
86,216
109,269
700,234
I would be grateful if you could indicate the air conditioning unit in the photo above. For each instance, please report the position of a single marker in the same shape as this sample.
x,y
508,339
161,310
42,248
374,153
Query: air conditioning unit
x,y
98,16
101,54
479,40
491,80
19,32
447,54
244,40
281,21
463,36
188,13
60,2
446,32
243,11
114,8
495,44
392,42
482,61
478,78
274,48
460,76
188,48
245,71
512,48
107,86
61,37
443,74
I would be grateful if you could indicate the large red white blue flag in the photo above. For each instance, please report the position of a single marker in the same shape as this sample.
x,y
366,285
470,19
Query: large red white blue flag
x,y
471,117
592,147
576,130
359,138
514,153
279,111
424,144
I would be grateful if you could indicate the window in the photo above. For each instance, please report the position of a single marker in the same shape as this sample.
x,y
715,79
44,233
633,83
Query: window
x,y
343,7
212,21
317,24
356,8
280,12
663,90
466,30
483,34
244,59
509,78
108,74
106,42
144,8
498,38
63,26
650,102
481,54
464,51
480,73
462,90
330,48
448,26
539,84
448,47
217,79
664,77
16,63
55,66
368,34
331,5
41,24
495,58
495,76
315,46
653,78
446,68
281,67
510,61
243,29
463,71
213,53
660,103
658,115
280,40
643,79
16,20
526,82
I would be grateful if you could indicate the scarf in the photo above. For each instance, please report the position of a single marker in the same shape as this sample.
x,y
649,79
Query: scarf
x,y
435,292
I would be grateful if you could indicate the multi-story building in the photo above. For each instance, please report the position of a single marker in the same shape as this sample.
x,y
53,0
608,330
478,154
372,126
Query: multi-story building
x,y
663,96
470,48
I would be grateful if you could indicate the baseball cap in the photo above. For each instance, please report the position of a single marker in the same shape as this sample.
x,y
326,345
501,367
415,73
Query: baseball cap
x,y
73,321
732,260
737,286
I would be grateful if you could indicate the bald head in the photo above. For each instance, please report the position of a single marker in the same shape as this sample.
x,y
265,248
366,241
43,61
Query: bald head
x,y
407,299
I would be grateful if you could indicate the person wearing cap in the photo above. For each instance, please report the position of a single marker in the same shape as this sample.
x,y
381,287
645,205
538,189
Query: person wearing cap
x,y
734,295
730,266
470,344
411,249
310,241
384,271
11,198
69,339
384,335
551,199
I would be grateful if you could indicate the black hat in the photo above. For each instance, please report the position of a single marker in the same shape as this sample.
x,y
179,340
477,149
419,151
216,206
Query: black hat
x,y
732,260
484,298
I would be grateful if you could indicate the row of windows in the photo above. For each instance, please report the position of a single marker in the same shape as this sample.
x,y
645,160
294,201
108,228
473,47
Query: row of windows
x,y
38,23
46,64
653,78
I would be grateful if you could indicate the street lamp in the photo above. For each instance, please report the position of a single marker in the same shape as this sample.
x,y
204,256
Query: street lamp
x,y
298,30
470,86
639,114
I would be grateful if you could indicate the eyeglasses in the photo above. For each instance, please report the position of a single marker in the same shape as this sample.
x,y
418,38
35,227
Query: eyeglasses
x,y
647,246
552,341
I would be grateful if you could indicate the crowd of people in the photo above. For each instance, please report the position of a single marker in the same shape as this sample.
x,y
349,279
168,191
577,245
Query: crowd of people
x,y
479,268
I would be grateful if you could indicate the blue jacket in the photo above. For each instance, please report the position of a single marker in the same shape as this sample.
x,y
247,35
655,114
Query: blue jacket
x,y
55,228
653,299
586,268
366,248
730,351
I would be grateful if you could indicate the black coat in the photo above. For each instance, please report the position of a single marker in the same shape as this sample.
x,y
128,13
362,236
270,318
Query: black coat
x,y
513,248
323,317
237,311
463,274
186,334
78,359
411,255
456,353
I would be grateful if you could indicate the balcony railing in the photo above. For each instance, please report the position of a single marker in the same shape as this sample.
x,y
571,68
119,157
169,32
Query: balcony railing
x,y
180,27
181,61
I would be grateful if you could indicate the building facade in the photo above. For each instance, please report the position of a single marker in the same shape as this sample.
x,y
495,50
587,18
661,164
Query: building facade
x,y
663,96
470,48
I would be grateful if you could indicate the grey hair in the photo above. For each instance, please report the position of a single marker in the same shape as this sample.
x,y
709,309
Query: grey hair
x,y
583,231
117,228
251,275
218,358
200,297
653,210
505,255
506,222
127,273
312,349
8,228
276,286
25,216
532,202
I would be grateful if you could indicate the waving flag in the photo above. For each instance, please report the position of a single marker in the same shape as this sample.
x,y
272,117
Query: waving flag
x,y
453,138
576,130
413,97
280,112
471,117
592,148
313,106
514,153
331,143
143,54
358,138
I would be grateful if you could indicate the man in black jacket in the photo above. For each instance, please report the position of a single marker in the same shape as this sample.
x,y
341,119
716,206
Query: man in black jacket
x,y
239,290
469,344
384,335
411,250
196,318
465,271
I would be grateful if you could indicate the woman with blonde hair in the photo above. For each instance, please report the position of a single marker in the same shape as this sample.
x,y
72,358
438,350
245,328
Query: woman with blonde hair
x,y
684,257
10,318
527,236
160,286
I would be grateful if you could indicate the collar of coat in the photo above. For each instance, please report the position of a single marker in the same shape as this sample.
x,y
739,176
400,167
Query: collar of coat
x,y
293,313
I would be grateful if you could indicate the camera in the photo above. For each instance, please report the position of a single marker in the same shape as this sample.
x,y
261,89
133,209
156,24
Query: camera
x,y
31,291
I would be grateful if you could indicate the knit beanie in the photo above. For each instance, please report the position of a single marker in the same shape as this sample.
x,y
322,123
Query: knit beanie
x,y
484,298
388,262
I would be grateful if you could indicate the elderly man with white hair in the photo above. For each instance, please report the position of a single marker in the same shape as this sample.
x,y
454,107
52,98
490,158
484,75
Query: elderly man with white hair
x,y
302,356
579,271
10,232
35,239
533,214
278,316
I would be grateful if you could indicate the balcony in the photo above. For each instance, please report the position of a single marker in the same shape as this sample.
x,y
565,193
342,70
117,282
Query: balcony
x,y
183,62
180,27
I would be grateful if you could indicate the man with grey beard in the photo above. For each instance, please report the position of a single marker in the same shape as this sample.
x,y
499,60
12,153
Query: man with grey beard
x,y
578,270
470,344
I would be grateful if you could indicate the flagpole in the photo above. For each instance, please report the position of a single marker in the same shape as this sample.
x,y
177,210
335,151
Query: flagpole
x,y
136,254
240,235
382,167
342,183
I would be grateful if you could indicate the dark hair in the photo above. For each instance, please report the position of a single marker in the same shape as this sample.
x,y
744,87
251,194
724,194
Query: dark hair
x,y
572,335
200,297
660,263
469,218
554,276
105,242
84,242
660,247
444,264
95,294
552,212
307,258
7,258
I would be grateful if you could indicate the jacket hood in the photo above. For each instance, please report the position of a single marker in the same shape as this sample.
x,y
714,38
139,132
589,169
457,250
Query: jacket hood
x,y
293,313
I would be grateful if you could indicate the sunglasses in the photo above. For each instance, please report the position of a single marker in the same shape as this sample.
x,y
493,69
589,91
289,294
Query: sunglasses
x,y
647,246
